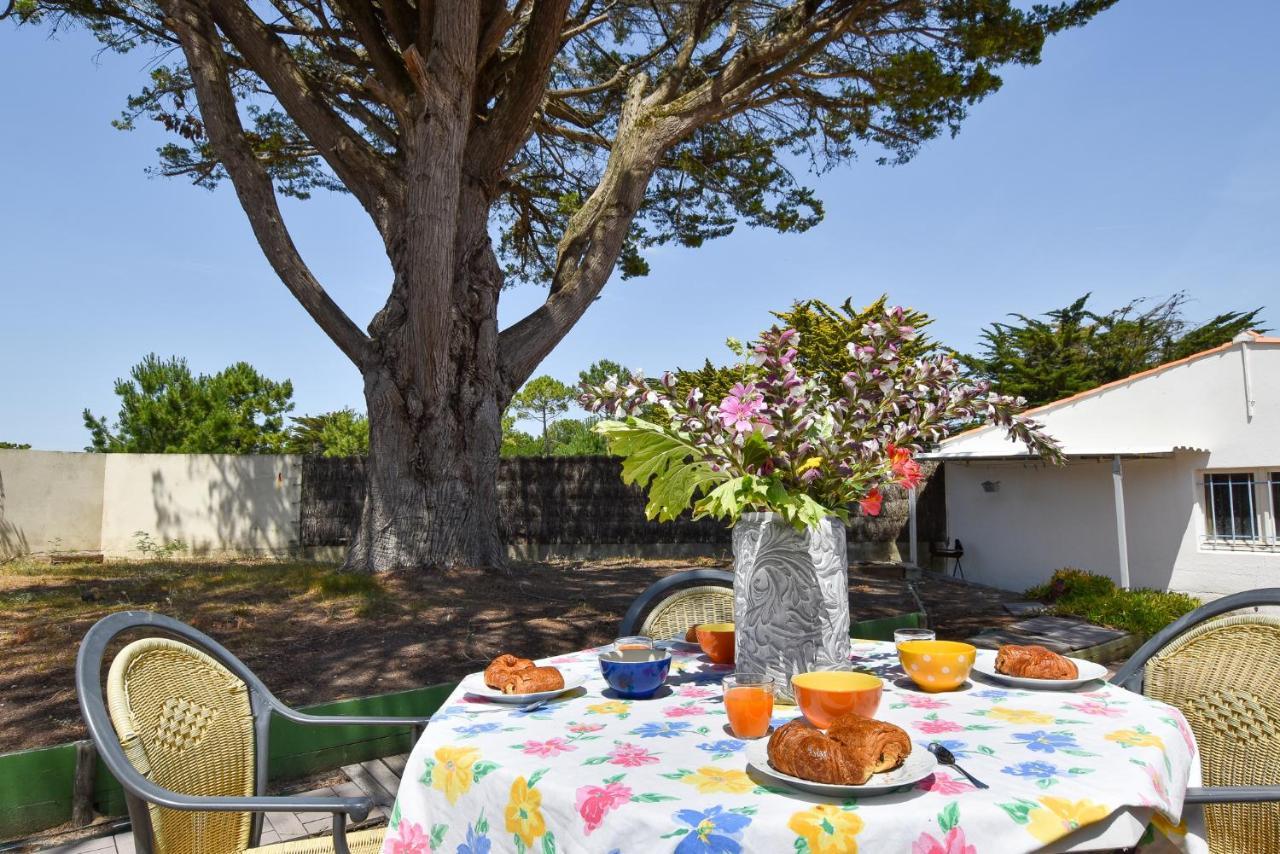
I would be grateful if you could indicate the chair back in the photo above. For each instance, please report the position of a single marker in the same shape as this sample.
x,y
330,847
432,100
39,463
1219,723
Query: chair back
x,y
186,714
186,723
1224,676
668,608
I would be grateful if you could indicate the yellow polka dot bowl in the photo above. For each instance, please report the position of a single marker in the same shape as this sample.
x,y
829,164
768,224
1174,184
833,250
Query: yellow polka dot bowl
x,y
936,665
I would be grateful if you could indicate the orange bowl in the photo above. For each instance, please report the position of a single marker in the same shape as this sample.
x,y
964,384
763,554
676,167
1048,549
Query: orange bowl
x,y
716,640
824,695
936,665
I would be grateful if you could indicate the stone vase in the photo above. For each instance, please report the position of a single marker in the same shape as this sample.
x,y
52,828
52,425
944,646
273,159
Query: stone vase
x,y
791,598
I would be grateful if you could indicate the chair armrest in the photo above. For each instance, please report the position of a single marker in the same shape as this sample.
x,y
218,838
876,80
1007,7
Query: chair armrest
x,y
1232,794
353,720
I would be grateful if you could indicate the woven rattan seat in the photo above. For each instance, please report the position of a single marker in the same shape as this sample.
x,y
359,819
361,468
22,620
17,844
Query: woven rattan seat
x,y
668,608
1223,674
184,729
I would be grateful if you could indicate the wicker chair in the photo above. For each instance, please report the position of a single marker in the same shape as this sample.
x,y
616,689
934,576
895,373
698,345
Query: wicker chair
x,y
667,608
189,743
1224,675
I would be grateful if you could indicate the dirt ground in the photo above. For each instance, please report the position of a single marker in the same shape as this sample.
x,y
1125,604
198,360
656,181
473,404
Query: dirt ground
x,y
312,634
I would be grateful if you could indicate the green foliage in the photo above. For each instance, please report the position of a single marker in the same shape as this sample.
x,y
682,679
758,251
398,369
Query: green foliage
x,y
341,433
165,409
1073,349
825,333
1078,593
670,469
543,399
567,437
152,550
14,446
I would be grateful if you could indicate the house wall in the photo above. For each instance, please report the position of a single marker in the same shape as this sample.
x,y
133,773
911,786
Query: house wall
x,y
49,501
1045,518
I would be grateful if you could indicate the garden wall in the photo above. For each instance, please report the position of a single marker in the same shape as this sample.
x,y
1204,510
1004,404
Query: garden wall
x,y
289,505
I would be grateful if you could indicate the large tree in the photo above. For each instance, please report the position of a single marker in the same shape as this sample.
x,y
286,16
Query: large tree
x,y
578,132
1074,348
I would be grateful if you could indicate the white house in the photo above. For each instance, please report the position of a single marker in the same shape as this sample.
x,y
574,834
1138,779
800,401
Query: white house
x,y
1172,481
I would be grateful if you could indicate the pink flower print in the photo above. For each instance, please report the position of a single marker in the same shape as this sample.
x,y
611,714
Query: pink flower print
x,y
953,843
550,747
942,784
933,727
683,711
1158,787
1089,707
631,755
697,692
409,838
579,728
1183,728
919,701
594,801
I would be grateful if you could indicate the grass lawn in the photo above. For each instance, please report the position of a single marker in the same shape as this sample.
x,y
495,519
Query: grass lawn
x,y
313,634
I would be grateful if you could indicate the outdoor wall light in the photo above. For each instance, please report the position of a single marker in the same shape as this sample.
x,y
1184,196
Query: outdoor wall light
x,y
991,486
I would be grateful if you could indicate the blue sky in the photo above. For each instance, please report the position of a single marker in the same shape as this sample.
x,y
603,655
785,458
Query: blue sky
x,y
1141,157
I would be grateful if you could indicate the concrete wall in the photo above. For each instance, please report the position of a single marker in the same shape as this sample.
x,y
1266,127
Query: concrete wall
x,y
216,504
1044,518
49,501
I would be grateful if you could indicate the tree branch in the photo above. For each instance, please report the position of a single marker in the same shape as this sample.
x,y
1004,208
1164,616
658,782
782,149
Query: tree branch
x,y
209,73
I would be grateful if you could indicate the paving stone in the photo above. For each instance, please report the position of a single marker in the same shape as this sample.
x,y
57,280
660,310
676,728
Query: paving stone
x,y
996,638
1074,634
101,845
1025,609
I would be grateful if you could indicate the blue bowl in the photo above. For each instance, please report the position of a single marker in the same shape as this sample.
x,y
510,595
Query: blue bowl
x,y
635,674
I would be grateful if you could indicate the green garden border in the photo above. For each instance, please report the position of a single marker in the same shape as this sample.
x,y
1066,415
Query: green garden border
x,y
36,785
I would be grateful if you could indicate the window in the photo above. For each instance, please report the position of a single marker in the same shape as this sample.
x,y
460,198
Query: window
x,y
1229,512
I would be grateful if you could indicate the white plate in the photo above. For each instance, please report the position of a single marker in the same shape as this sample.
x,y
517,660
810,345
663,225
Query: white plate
x,y
1088,670
920,763
474,685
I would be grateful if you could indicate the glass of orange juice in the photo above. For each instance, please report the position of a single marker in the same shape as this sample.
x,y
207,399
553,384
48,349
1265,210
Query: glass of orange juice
x,y
748,698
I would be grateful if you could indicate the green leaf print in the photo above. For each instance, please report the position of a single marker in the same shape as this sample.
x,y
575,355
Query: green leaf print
x,y
548,843
394,821
1078,771
520,849
1045,782
652,798
802,847
744,810
679,774
949,817
679,831
596,760
771,790
614,779
482,824
536,776
425,779
480,769
985,750
437,834
1019,809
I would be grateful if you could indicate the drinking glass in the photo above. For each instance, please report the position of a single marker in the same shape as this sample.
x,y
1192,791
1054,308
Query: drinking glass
x,y
901,636
633,642
748,698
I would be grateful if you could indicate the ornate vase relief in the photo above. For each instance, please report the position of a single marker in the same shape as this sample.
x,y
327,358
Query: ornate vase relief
x,y
791,598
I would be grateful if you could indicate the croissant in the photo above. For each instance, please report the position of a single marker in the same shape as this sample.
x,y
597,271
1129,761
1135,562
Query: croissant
x,y
512,675
847,754
1034,662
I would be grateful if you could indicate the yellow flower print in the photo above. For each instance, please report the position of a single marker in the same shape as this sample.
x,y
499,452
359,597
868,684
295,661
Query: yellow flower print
x,y
524,812
610,707
1019,716
1056,817
452,774
709,778
1169,829
1134,738
827,829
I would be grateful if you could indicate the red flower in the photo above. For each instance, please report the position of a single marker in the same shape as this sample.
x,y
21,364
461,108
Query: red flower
x,y
871,502
595,801
907,471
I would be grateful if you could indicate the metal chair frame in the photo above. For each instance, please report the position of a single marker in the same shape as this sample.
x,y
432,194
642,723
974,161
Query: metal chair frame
x,y
1131,677
656,592
140,791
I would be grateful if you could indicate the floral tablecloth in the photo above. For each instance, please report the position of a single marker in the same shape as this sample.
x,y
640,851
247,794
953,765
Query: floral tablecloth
x,y
590,772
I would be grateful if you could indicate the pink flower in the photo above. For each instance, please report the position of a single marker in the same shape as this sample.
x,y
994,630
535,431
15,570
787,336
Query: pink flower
x,y
585,727
917,701
953,843
631,755
937,726
740,408
409,838
871,502
944,785
683,711
594,801
550,747
1101,709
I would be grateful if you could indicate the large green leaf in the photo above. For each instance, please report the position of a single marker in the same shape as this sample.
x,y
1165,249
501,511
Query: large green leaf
x,y
668,467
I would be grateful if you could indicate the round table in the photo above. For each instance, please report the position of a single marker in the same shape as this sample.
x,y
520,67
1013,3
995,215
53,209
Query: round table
x,y
1097,767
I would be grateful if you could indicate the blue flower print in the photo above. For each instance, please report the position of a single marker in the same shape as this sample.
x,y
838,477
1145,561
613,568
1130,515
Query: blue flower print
x,y
1047,742
1038,770
958,748
667,729
472,730
713,831
477,843
727,745
991,694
